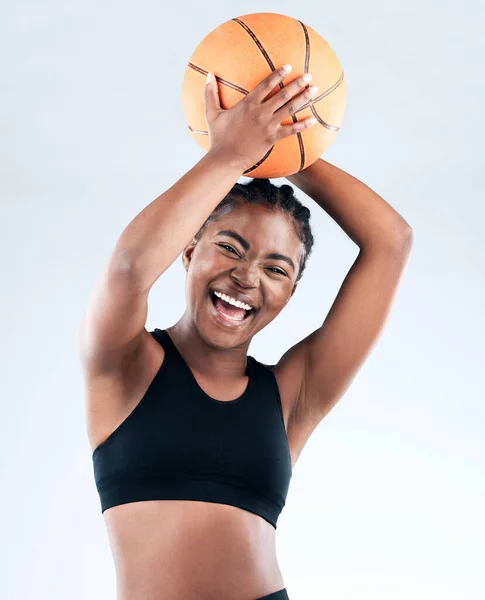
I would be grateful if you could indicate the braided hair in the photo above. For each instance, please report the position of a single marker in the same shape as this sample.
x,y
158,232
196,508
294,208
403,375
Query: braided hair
x,y
278,199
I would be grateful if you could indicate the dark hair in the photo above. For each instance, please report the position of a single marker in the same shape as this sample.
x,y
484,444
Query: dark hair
x,y
278,199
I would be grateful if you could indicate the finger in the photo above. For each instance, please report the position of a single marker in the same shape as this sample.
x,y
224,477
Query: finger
x,y
295,103
211,97
287,130
259,93
287,93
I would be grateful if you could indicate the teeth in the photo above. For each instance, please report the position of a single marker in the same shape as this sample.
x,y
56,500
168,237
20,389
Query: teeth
x,y
233,301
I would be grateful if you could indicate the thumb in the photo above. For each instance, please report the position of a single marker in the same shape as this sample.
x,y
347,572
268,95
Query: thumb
x,y
211,96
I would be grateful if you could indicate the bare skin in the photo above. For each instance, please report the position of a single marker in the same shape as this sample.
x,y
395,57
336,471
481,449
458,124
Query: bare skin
x,y
197,550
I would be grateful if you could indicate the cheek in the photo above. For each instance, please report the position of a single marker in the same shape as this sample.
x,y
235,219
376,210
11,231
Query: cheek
x,y
197,280
274,301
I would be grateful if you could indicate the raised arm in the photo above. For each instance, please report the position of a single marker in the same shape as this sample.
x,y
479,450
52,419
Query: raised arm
x,y
117,310
323,365
113,325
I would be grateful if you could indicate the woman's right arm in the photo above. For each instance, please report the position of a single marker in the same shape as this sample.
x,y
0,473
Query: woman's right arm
x,y
155,237
113,325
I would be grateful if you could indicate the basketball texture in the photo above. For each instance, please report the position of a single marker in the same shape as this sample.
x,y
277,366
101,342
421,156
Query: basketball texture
x,y
243,51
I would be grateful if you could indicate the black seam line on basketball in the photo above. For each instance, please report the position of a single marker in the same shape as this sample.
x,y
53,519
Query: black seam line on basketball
x,y
307,64
281,86
200,132
307,47
301,145
322,122
220,80
258,44
322,95
259,162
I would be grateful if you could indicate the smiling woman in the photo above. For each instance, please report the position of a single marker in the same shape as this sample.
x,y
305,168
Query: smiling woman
x,y
194,442
248,258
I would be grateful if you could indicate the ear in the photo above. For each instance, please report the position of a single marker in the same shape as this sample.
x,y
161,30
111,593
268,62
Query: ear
x,y
187,253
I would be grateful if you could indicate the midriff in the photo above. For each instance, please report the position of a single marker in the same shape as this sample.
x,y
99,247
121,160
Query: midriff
x,y
174,550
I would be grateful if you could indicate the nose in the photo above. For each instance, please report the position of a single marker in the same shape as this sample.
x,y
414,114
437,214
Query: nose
x,y
246,275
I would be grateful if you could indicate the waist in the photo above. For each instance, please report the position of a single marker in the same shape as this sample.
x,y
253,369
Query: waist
x,y
191,549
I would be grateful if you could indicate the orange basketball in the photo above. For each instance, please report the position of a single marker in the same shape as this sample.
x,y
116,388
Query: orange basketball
x,y
242,52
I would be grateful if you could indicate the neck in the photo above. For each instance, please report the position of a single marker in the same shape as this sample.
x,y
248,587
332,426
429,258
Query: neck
x,y
204,356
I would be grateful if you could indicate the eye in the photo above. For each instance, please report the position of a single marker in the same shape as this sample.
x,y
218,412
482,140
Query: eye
x,y
279,271
229,247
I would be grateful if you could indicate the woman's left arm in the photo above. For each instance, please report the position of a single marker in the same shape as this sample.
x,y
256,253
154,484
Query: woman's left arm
x,y
330,357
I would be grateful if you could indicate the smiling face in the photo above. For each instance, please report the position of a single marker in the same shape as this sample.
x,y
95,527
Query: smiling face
x,y
250,253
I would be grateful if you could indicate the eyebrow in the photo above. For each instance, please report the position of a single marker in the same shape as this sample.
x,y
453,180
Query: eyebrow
x,y
246,246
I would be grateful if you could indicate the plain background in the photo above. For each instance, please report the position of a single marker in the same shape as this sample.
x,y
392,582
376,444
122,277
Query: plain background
x,y
387,498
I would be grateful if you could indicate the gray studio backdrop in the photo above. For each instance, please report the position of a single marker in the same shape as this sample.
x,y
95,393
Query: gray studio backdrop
x,y
387,498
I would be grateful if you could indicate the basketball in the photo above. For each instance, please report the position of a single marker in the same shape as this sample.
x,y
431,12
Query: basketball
x,y
241,53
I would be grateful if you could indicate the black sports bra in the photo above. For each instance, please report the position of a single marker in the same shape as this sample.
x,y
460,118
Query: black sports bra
x,y
178,443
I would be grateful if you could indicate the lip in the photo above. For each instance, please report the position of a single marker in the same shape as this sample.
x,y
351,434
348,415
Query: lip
x,y
226,321
234,294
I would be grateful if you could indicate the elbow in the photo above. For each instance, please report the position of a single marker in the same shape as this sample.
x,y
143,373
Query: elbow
x,y
406,237
401,242
398,240
401,234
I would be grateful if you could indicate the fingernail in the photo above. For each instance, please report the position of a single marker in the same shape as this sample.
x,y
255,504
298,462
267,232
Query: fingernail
x,y
307,77
287,68
208,78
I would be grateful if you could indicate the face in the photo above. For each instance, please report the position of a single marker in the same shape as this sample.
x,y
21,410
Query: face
x,y
257,263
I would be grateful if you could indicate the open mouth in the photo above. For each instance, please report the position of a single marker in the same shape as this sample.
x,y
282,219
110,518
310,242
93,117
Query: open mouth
x,y
229,310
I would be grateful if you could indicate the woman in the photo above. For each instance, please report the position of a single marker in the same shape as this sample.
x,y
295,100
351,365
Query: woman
x,y
193,440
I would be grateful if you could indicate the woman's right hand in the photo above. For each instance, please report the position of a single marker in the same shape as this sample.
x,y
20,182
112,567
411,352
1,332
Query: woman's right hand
x,y
244,133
